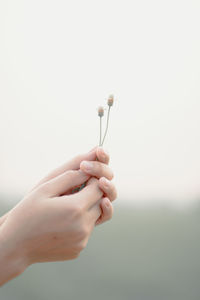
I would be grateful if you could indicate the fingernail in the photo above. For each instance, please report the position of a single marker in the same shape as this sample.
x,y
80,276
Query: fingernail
x,y
87,165
106,183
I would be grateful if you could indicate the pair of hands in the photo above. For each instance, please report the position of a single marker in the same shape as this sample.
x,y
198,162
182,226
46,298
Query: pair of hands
x,y
52,223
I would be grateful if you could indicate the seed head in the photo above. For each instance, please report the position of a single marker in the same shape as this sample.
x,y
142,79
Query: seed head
x,y
100,111
110,100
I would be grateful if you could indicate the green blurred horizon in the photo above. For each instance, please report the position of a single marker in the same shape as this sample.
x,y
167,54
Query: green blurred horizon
x,y
142,254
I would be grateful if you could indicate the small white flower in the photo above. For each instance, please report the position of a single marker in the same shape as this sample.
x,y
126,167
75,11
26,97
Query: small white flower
x,y
100,111
110,100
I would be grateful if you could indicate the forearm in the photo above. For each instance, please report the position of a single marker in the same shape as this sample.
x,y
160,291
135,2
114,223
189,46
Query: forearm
x,y
3,218
12,263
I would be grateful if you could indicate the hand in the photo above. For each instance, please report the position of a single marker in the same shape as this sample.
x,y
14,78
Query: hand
x,y
51,224
98,170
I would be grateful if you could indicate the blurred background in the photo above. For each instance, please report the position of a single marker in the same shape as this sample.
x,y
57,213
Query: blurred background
x,y
60,60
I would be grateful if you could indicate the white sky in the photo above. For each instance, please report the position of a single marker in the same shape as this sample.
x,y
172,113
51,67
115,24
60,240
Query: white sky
x,y
59,60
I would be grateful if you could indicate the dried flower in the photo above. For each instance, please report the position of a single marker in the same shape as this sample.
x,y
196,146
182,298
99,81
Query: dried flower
x,y
100,111
100,114
110,100
110,103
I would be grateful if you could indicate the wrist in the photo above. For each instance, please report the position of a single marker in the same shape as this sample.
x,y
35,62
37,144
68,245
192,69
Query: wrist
x,y
13,262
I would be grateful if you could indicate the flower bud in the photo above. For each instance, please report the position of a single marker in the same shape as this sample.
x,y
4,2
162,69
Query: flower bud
x,y
100,111
110,100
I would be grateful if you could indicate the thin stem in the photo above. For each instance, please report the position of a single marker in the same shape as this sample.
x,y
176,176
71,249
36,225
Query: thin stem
x,y
106,126
100,131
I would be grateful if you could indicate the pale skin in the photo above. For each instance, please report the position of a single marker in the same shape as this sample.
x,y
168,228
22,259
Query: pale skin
x,y
52,223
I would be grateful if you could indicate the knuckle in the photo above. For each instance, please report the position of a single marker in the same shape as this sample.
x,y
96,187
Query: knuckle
x,y
75,209
82,233
81,246
78,210
82,240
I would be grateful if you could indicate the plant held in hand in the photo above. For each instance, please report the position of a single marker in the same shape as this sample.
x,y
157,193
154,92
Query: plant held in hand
x,y
101,113
101,141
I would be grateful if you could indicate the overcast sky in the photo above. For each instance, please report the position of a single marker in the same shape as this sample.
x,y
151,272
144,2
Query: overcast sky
x,y
59,60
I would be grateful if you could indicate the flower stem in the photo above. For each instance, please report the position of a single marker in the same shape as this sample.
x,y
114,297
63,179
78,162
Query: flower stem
x,y
108,116
100,131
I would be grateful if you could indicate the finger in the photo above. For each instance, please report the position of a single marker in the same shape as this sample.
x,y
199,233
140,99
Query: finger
x,y
102,155
108,188
62,183
95,212
107,211
89,195
73,164
97,169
